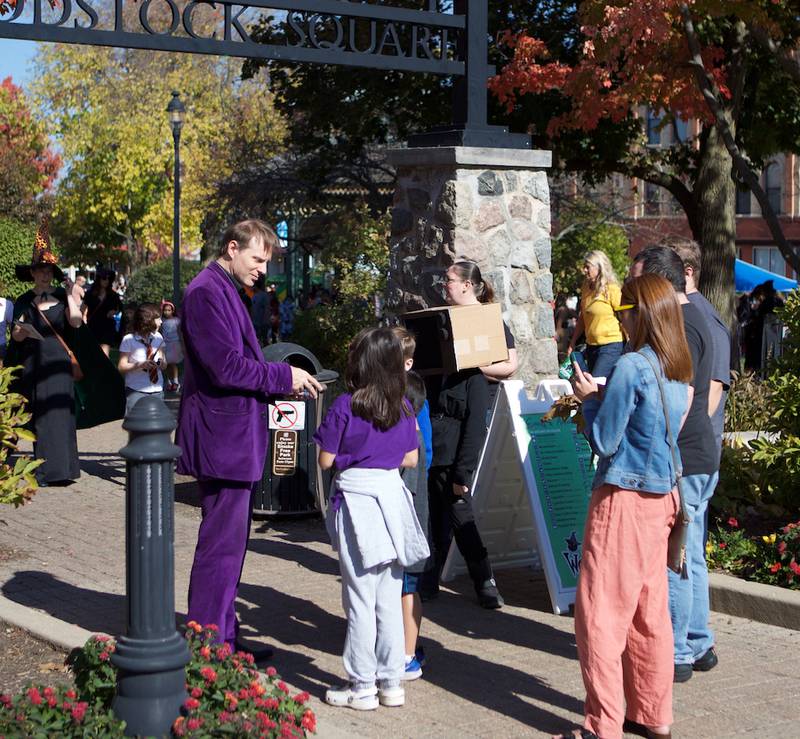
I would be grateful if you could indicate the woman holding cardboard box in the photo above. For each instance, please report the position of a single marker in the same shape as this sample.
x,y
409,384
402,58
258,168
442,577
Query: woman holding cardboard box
x,y
458,416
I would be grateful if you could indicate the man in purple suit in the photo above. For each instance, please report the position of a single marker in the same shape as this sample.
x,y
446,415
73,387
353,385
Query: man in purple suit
x,y
222,423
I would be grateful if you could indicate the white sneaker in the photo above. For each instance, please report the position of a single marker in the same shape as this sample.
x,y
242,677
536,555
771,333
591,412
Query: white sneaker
x,y
365,699
395,696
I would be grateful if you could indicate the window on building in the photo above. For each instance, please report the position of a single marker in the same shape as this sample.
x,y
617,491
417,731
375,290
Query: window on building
x,y
769,258
772,185
742,201
653,128
680,130
652,199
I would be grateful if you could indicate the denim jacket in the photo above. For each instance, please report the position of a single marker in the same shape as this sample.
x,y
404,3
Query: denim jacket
x,y
627,429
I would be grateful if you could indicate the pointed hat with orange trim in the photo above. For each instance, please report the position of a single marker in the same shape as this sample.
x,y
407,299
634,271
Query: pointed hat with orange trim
x,y
42,255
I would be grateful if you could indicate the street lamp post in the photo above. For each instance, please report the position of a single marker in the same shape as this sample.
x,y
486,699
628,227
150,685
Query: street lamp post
x,y
176,112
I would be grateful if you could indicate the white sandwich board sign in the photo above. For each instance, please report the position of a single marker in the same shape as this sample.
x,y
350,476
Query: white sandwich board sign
x,y
531,490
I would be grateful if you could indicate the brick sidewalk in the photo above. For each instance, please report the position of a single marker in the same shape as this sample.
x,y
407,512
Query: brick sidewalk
x,y
512,672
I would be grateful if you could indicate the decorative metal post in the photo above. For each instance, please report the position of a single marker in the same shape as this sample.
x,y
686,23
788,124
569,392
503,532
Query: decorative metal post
x,y
152,656
176,112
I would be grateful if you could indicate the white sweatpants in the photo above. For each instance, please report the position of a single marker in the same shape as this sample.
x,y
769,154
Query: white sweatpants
x,y
375,642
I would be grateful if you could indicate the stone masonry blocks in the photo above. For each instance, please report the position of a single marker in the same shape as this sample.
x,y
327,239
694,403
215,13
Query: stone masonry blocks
x,y
489,210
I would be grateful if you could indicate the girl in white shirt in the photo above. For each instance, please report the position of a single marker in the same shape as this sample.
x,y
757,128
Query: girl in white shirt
x,y
141,357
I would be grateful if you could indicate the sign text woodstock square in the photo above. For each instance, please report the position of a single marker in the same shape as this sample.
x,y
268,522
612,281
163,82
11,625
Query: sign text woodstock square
x,y
317,31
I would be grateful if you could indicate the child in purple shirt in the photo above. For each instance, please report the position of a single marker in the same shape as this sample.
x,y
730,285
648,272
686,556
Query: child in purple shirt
x,y
367,435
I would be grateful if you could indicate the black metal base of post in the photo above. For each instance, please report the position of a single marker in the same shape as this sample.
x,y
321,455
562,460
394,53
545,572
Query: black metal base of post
x,y
151,686
493,137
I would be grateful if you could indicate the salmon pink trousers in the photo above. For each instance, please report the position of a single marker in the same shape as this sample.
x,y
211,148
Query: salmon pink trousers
x,y
622,624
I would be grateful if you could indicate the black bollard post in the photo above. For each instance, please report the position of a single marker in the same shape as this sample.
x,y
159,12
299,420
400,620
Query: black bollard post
x,y
152,656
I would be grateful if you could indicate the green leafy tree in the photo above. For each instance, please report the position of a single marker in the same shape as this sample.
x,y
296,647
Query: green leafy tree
x,y
584,227
356,257
153,282
106,108
28,164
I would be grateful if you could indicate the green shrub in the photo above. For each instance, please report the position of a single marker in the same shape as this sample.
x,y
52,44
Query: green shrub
x,y
227,697
585,228
326,330
748,405
356,257
17,481
16,247
153,283
44,711
738,485
772,559
778,457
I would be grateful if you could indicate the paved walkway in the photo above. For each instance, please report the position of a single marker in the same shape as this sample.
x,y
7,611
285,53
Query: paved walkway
x,y
491,674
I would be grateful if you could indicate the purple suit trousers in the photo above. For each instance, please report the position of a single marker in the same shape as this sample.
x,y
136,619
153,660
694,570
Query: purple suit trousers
x,y
219,556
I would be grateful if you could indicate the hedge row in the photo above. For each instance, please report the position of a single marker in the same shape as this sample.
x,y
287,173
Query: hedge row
x,y
16,247
153,283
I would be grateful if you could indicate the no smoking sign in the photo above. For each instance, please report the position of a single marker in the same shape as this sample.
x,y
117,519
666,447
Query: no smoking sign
x,y
287,415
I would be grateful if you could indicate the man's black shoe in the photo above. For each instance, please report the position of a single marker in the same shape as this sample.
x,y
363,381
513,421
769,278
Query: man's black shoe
x,y
707,662
260,654
682,673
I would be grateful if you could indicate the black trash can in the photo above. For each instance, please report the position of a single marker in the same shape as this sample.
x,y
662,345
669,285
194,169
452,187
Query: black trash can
x,y
292,483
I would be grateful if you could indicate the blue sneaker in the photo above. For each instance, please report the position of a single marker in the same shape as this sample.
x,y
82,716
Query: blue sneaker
x,y
420,655
413,670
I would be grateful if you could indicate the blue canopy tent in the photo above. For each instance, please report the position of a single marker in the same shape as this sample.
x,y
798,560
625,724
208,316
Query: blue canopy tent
x,y
749,276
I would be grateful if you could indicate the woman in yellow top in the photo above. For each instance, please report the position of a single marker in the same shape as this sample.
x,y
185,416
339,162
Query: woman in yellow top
x,y
600,295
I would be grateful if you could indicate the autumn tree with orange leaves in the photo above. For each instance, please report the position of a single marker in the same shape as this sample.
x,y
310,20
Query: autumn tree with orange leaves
x,y
28,165
730,64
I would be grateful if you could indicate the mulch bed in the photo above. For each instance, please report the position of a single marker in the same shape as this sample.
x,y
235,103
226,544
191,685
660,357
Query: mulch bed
x,y
25,659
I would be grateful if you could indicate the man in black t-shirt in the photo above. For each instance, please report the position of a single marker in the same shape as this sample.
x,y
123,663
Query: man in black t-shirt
x,y
688,599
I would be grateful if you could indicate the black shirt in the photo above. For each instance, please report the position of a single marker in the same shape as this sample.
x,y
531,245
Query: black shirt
x,y
458,405
696,439
494,386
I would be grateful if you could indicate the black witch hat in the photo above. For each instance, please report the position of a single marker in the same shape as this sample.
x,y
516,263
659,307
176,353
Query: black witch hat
x,y
42,255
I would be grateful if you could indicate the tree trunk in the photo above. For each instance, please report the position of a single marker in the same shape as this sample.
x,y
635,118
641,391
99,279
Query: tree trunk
x,y
715,193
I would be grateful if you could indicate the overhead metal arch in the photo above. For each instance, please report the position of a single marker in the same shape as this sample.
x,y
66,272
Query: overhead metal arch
x,y
317,32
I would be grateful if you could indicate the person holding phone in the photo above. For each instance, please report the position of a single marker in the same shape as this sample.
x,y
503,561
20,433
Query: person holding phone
x,y
44,319
600,295
622,622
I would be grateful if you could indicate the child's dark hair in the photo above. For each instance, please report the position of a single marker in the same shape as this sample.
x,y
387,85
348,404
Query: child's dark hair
x,y
376,377
144,319
407,341
415,390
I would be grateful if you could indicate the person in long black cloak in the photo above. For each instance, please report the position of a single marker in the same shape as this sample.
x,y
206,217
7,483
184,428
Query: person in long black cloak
x,y
41,316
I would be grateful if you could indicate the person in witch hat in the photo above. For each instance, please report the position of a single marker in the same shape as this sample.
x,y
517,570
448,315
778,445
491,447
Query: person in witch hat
x,y
58,400
43,319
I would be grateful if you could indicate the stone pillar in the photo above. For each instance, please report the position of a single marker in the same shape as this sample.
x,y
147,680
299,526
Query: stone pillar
x,y
488,205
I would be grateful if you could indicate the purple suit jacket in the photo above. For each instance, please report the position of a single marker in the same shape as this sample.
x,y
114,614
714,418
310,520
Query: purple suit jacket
x,y
222,422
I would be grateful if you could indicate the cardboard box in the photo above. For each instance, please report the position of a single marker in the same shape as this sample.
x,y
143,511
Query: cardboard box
x,y
457,337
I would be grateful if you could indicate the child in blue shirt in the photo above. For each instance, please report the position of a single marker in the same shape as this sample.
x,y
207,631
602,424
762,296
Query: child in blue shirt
x,y
411,600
